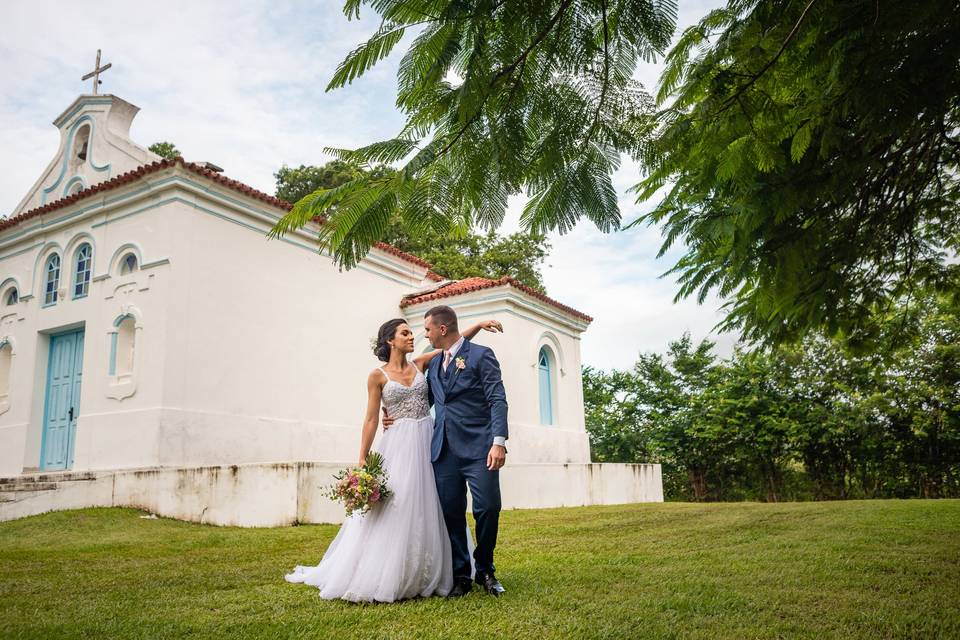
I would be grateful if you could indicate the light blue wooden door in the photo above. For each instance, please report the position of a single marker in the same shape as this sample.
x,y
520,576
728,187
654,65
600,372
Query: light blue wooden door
x,y
62,400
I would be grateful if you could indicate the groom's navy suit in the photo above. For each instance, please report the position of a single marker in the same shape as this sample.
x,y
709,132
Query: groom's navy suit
x,y
471,408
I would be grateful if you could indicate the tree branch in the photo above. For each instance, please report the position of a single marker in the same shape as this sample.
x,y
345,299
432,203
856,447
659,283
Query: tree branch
x,y
766,67
606,73
509,69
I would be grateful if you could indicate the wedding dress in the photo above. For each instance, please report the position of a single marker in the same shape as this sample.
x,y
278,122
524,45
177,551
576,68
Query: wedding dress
x,y
400,548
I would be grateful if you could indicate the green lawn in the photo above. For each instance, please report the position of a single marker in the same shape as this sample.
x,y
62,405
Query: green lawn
x,y
879,569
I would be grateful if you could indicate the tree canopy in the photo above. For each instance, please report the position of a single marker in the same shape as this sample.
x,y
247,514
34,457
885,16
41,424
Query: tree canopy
x,y
499,98
166,150
489,255
810,155
808,150
811,420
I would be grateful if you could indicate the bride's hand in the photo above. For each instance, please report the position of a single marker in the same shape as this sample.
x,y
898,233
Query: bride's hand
x,y
492,326
362,462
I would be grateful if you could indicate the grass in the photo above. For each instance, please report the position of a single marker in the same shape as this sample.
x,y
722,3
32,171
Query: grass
x,y
877,569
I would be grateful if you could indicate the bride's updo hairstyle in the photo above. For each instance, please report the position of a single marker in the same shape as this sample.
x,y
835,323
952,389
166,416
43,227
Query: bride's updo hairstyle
x,y
387,332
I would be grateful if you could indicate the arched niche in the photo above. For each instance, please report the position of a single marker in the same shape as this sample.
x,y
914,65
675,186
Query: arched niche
x,y
126,345
7,352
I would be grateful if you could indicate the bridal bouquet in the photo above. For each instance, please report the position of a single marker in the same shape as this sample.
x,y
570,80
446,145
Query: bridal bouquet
x,y
359,488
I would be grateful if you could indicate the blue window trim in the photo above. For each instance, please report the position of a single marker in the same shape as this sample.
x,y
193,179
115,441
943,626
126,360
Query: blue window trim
x,y
545,381
87,272
56,281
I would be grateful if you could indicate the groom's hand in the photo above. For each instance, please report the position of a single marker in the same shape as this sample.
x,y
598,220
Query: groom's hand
x,y
387,419
497,457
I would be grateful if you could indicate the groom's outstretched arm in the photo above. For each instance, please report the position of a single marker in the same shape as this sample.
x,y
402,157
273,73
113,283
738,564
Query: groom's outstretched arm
x,y
493,390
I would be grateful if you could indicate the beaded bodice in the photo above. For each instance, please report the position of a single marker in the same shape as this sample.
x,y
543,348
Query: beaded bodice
x,y
402,401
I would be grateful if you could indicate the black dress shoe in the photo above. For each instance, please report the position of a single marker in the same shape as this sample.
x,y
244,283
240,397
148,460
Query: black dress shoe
x,y
490,583
461,587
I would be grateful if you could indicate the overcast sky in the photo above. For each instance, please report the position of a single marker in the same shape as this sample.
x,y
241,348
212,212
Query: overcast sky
x,y
241,84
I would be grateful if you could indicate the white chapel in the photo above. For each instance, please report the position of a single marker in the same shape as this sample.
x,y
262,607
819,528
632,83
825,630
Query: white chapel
x,y
157,350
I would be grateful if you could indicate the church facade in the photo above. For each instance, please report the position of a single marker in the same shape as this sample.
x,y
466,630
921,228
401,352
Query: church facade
x,y
155,342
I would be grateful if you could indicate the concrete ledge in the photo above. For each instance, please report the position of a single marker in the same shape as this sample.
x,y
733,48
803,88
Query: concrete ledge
x,y
286,493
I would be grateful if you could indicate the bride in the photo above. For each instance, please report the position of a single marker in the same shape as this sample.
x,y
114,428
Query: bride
x,y
399,549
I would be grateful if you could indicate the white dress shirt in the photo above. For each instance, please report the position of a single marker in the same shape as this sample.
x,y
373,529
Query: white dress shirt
x,y
448,357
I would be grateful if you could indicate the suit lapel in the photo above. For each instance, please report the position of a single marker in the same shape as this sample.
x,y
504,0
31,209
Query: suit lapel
x,y
453,375
436,376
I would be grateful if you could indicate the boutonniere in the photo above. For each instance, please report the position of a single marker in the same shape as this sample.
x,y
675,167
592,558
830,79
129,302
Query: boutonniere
x,y
461,363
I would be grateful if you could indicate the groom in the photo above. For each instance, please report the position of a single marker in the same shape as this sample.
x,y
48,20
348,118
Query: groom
x,y
468,444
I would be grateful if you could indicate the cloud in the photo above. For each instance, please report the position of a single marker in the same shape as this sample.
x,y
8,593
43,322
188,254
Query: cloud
x,y
242,84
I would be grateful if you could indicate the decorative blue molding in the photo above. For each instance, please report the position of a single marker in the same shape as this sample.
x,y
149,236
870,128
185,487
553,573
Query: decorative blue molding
x,y
192,204
156,263
83,103
5,284
21,252
74,180
128,247
67,150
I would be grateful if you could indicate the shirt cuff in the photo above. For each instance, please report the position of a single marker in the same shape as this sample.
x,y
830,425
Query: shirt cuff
x,y
500,440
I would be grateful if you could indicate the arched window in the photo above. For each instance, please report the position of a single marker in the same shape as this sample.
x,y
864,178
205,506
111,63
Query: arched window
x,y
84,265
128,264
12,297
53,280
546,386
122,349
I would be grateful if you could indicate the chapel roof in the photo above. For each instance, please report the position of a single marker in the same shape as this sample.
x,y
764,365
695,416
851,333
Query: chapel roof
x,y
455,288
153,167
469,285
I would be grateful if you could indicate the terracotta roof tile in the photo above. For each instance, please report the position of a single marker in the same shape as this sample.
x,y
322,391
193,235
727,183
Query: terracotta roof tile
x,y
409,257
454,289
436,277
153,167
139,172
469,285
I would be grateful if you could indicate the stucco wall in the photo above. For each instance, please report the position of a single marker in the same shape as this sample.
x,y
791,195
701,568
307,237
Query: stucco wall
x,y
106,426
278,494
527,326
247,349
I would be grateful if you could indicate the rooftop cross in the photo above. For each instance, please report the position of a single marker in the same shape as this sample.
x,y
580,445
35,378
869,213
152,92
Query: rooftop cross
x,y
95,74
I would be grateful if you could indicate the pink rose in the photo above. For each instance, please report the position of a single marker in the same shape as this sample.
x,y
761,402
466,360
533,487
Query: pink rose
x,y
375,496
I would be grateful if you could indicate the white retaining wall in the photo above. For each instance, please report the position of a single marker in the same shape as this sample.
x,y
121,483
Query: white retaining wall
x,y
279,494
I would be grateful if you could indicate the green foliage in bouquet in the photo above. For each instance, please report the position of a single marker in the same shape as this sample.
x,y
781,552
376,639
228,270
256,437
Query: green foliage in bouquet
x,y
360,488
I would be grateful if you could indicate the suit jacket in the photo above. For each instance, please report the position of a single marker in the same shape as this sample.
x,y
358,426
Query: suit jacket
x,y
470,403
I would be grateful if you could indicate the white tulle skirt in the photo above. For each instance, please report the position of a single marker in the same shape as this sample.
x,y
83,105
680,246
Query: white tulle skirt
x,y
400,549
